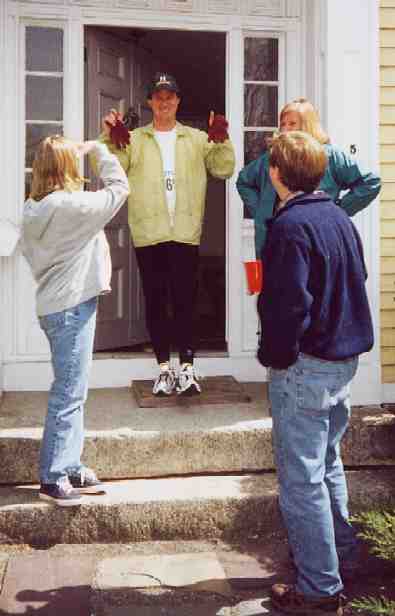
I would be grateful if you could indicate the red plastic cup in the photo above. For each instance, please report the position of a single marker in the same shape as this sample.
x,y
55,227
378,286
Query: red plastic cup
x,y
254,272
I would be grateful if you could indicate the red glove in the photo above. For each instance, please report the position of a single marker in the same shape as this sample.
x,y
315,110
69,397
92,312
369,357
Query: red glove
x,y
217,128
119,133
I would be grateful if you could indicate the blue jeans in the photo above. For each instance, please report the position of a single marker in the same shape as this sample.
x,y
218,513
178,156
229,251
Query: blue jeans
x,y
311,408
70,334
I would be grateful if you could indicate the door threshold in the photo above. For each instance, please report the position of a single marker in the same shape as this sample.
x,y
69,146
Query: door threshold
x,y
150,355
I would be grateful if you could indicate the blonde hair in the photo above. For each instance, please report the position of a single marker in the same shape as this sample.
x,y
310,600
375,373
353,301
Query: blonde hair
x,y
55,167
309,118
300,159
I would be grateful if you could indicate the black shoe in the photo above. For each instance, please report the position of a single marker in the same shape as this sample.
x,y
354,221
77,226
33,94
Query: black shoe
x,y
288,600
61,494
86,482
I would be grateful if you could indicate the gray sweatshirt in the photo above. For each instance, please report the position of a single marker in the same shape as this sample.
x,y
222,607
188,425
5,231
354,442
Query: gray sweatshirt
x,y
64,242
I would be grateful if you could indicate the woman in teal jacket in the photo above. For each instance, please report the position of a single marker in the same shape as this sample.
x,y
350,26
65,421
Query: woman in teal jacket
x,y
342,173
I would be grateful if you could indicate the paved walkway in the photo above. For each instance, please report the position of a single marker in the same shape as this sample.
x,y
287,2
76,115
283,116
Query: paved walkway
x,y
204,579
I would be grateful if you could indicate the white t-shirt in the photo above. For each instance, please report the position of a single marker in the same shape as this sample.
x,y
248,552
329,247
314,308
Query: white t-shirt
x,y
167,143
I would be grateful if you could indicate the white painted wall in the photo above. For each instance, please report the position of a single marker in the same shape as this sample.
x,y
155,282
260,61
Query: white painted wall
x,y
351,95
2,181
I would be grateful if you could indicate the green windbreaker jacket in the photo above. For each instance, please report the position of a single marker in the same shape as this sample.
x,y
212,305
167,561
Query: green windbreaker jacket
x,y
148,214
344,181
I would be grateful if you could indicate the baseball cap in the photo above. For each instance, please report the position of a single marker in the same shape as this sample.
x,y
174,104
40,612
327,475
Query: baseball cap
x,y
162,81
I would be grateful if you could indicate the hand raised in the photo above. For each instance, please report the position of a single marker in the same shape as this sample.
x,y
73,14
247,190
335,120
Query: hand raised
x,y
114,127
85,147
217,128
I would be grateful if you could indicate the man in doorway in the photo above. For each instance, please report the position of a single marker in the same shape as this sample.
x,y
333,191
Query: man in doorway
x,y
167,164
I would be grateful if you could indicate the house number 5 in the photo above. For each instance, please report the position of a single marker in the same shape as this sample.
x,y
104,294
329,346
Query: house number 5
x,y
353,148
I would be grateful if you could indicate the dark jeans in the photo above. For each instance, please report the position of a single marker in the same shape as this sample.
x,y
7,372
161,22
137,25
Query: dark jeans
x,y
169,273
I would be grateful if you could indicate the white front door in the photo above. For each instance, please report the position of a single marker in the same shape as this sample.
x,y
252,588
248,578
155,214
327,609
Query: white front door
x,y
350,101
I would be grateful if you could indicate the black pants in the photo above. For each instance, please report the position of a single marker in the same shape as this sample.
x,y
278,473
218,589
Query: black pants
x,y
169,275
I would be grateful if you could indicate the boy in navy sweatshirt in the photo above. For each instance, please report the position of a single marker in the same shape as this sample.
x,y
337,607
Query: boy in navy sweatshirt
x,y
315,321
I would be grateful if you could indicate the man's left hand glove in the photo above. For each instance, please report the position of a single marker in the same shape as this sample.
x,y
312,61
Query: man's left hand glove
x,y
217,128
119,133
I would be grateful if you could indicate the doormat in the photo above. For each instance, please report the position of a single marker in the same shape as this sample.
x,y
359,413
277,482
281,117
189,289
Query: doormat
x,y
215,390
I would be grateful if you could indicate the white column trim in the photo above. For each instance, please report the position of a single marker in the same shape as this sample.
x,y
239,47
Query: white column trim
x,y
3,179
235,210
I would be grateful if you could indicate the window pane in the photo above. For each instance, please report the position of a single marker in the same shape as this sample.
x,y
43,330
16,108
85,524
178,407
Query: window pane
x,y
260,105
260,59
255,144
44,49
44,98
36,133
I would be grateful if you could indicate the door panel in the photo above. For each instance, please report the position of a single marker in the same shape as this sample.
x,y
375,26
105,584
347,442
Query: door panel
x,y
121,319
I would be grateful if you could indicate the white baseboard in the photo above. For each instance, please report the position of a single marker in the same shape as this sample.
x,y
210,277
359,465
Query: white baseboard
x,y
388,396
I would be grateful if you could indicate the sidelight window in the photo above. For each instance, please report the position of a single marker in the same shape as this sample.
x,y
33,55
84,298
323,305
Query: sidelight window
x,y
43,89
261,93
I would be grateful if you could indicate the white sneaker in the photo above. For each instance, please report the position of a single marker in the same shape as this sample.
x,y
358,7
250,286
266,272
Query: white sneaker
x,y
188,381
166,382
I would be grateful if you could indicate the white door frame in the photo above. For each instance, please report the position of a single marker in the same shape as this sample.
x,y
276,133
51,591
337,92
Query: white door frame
x,y
22,366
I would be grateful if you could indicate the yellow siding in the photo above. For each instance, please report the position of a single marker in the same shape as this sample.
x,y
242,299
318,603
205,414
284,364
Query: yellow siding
x,y
387,17
388,374
388,153
387,197
388,192
388,357
387,76
388,265
387,282
386,321
386,211
387,56
388,95
388,228
387,114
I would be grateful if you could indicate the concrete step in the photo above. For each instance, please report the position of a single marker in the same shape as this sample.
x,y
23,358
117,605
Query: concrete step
x,y
125,441
226,507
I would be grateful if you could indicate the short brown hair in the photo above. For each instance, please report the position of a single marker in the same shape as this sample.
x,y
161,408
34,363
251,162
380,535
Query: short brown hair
x,y
55,167
300,159
309,118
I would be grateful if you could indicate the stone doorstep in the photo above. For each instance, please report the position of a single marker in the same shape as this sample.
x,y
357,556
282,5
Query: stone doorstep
x,y
225,507
226,440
